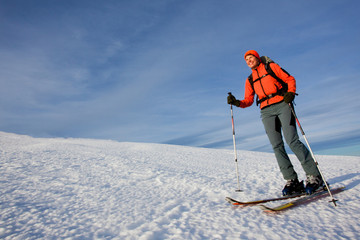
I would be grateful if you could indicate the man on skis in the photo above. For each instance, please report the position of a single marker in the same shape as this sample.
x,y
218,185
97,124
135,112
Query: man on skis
x,y
274,99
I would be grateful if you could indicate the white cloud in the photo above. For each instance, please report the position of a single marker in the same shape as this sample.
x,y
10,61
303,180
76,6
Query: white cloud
x,y
161,71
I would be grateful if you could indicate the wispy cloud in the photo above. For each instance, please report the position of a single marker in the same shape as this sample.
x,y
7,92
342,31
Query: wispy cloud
x,y
160,71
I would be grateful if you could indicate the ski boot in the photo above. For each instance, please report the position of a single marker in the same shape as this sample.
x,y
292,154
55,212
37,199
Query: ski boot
x,y
292,187
313,183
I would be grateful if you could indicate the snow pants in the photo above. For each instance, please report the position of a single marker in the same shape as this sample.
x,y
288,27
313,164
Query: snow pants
x,y
275,118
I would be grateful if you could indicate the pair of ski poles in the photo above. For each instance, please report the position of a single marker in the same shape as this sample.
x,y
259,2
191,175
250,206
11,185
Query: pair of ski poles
x,y
307,143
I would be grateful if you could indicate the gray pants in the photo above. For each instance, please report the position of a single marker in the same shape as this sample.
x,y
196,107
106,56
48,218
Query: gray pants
x,y
275,118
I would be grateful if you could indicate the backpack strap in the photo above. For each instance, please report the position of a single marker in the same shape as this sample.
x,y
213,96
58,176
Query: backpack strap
x,y
251,81
271,73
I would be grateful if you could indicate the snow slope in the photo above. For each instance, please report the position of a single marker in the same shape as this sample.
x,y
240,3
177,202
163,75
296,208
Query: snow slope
x,y
99,189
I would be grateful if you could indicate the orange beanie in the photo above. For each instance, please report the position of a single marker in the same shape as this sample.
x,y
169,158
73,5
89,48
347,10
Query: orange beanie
x,y
254,53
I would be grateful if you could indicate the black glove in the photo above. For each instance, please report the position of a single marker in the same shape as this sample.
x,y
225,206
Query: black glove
x,y
232,100
289,97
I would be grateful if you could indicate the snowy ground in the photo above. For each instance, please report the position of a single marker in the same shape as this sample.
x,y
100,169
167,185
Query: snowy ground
x,y
98,189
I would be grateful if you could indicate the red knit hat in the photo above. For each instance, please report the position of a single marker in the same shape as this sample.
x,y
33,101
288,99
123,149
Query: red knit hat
x,y
254,53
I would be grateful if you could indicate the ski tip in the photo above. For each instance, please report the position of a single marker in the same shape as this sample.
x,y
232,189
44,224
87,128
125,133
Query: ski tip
x,y
267,209
277,209
233,201
230,200
263,207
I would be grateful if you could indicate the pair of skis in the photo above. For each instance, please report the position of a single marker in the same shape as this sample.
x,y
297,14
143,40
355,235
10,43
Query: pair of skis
x,y
292,203
300,199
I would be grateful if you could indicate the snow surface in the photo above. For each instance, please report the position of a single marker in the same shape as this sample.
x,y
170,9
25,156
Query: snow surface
x,y
100,189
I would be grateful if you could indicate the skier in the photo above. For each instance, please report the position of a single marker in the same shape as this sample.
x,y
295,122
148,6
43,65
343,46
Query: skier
x,y
276,115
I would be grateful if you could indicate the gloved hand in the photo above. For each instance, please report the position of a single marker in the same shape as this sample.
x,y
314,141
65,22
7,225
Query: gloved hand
x,y
289,97
232,100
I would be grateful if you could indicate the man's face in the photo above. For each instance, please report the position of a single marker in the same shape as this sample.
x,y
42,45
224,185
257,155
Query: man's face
x,y
252,61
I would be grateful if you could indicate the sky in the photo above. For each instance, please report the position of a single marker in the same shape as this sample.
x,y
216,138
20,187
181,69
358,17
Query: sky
x,y
159,71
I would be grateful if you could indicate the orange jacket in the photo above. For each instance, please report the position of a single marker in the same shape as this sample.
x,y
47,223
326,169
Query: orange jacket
x,y
266,86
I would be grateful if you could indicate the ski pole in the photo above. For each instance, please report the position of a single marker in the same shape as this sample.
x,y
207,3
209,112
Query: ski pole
x,y
235,153
312,154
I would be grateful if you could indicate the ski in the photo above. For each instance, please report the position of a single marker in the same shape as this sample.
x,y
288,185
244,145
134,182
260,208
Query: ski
x,y
301,201
236,202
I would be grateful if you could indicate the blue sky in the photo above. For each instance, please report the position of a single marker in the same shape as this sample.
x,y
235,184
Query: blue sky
x,y
159,71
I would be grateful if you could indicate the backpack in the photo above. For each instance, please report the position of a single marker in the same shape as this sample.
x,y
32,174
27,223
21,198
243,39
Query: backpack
x,y
266,60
